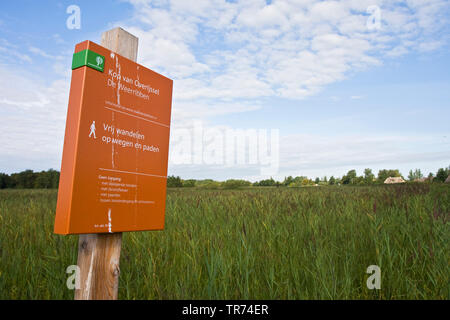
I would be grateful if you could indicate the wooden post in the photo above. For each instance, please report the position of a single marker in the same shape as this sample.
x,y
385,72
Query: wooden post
x,y
99,254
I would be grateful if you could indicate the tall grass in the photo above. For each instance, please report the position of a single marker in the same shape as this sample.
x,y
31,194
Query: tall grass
x,y
257,243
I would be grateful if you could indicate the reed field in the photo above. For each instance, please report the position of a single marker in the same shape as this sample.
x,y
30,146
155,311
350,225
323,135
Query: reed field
x,y
253,243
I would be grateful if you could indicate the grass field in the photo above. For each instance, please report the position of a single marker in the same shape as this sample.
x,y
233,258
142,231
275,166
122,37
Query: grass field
x,y
256,243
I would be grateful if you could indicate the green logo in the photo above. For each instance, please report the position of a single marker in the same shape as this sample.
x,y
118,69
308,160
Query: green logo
x,y
88,58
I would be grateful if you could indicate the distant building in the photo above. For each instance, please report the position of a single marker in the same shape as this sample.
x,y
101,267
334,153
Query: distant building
x,y
448,179
392,180
421,180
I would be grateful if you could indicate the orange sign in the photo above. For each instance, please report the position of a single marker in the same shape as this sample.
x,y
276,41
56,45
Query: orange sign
x,y
114,165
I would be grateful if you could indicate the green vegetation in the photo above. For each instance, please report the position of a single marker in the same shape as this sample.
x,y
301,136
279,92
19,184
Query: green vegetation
x,y
30,180
351,178
442,174
414,175
50,179
254,243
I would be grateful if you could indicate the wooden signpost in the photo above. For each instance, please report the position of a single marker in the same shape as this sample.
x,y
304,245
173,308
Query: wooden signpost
x,y
114,166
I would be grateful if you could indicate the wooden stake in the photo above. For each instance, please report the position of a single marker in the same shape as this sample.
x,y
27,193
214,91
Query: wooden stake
x,y
99,254
98,259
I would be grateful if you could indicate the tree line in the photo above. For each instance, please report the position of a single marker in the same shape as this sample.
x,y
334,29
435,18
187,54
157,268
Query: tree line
x,y
29,179
50,179
351,178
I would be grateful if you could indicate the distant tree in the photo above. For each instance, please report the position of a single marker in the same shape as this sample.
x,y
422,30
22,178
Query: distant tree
x,y
345,179
349,177
332,181
54,178
325,179
411,175
288,180
42,180
368,176
188,183
234,184
298,180
201,183
384,174
266,183
3,177
8,182
46,179
231,184
317,180
209,184
418,174
442,174
5,181
414,175
25,179
174,182
359,180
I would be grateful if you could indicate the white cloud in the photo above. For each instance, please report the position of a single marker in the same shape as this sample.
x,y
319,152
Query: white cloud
x,y
32,120
249,49
44,54
314,155
318,154
185,111
225,57
430,46
15,54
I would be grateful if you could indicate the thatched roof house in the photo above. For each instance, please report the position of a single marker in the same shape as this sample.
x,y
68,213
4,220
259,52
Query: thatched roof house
x,y
392,180
448,179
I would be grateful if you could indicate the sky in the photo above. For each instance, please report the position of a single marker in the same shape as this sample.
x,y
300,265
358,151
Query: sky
x,y
328,86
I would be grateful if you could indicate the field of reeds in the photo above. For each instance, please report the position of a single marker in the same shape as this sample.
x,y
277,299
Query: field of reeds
x,y
254,243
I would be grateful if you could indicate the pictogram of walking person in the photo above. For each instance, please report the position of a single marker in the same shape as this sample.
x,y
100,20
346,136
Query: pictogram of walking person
x,y
92,130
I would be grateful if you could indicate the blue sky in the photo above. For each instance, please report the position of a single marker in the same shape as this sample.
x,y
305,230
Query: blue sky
x,y
346,88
